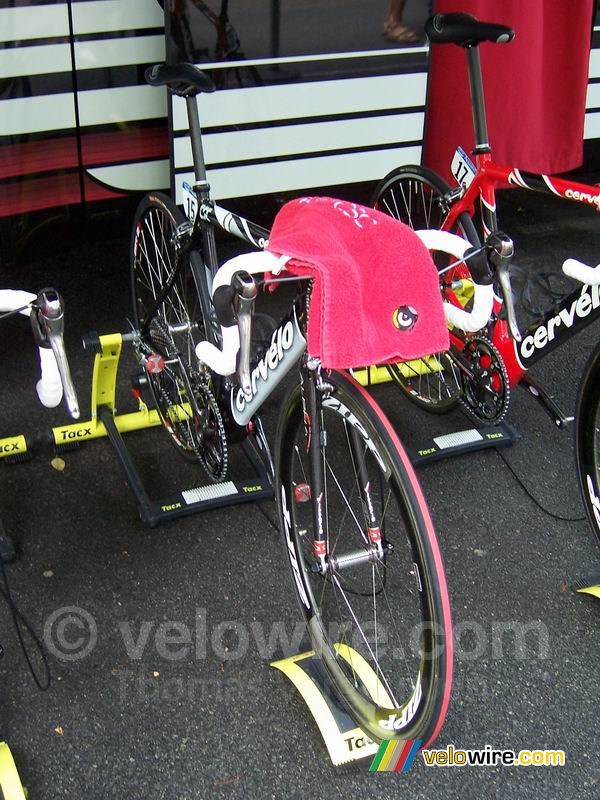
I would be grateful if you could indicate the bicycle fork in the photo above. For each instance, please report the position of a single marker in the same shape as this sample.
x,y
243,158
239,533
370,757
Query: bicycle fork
x,y
315,392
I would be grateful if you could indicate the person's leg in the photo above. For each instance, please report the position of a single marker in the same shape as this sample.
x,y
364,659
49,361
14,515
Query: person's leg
x,y
393,29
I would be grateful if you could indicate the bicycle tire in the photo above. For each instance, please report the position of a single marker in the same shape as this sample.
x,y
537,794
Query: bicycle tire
x,y
187,409
412,195
348,411
587,440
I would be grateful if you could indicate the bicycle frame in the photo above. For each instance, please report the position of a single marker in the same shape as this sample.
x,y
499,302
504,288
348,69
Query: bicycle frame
x,y
575,311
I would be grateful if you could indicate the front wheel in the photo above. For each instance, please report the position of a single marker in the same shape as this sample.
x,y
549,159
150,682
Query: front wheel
x,y
587,440
415,196
379,617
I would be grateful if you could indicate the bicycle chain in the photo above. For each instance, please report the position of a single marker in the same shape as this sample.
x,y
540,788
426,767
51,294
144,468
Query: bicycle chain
x,y
209,406
477,390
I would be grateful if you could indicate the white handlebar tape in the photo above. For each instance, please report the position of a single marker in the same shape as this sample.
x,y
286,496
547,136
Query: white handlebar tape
x,y
224,361
483,300
49,387
11,299
581,272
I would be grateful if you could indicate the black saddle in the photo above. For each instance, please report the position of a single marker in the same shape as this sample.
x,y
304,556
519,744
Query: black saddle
x,y
465,30
184,80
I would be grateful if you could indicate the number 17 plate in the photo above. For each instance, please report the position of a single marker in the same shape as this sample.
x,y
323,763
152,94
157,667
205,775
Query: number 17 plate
x,y
463,169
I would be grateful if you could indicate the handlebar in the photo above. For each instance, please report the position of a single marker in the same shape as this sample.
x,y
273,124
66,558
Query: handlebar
x,y
234,291
234,288
49,312
486,264
46,311
582,272
483,300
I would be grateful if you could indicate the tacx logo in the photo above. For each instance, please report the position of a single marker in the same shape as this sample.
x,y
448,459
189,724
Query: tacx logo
x,y
581,307
10,447
405,317
80,433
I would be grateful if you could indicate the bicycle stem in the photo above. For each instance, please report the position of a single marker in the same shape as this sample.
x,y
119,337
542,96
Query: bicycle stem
x,y
500,252
246,291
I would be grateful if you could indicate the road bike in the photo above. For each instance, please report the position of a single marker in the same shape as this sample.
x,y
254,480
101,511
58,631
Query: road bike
x,y
227,47
46,311
479,371
363,556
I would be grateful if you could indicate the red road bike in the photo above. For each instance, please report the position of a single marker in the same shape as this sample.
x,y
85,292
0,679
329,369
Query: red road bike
x,y
480,369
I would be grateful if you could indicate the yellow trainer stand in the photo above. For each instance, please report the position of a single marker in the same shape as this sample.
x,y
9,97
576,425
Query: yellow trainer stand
x,y
106,422
345,740
590,586
107,351
11,787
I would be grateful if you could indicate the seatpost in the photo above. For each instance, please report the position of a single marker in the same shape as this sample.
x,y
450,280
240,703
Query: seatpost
x,y
202,188
196,140
482,144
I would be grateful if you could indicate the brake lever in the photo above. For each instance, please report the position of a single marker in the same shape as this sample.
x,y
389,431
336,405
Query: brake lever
x,y
48,326
246,291
500,249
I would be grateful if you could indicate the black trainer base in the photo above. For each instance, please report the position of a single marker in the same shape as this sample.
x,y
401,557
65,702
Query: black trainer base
x,y
461,442
191,501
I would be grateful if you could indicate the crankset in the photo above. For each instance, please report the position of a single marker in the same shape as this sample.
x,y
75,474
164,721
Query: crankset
x,y
486,390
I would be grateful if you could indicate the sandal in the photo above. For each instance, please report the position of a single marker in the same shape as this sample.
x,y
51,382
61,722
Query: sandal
x,y
399,33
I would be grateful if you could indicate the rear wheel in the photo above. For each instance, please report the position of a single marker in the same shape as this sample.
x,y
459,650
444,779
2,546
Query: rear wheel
x,y
168,338
415,196
378,618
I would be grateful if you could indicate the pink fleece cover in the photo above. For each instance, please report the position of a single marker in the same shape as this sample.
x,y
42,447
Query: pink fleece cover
x,y
376,295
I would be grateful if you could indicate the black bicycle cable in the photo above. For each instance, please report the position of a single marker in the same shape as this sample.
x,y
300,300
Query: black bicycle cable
x,y
21,623
14,311
534,499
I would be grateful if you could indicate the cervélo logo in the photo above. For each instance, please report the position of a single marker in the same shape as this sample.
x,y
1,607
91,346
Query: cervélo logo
x,y
286,347
581,307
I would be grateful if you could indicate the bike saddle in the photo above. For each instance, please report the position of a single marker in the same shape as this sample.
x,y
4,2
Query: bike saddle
x,y
184,80
465,30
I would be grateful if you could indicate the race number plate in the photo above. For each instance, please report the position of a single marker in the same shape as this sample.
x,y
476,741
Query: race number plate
x,y
190,201
463,168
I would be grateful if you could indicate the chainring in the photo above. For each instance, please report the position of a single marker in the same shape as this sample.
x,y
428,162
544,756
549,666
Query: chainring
x,y
486,395
212,448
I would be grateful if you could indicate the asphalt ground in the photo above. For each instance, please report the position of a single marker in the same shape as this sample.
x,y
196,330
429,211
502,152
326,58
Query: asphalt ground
x,y
127,722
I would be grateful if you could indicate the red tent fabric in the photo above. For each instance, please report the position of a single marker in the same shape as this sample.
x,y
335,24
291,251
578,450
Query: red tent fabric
x,y
535,86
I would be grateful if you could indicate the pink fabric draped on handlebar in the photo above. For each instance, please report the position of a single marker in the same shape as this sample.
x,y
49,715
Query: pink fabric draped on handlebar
x,y
376,295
